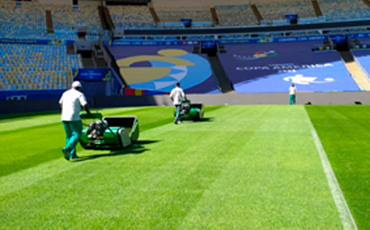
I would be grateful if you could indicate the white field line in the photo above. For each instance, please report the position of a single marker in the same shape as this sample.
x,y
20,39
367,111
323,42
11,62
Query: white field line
x,y
342,206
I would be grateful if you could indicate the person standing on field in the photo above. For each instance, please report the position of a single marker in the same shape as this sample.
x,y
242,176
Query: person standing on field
x,y
71,103
292,94
177,95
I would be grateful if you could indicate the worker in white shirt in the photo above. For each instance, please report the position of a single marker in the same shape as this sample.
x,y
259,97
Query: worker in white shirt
x,y
71,103
292,94
177,95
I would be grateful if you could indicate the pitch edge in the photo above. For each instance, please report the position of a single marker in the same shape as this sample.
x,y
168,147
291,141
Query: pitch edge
x,y
342,206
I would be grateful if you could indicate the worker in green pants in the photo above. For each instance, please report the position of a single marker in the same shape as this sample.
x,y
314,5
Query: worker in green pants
x,y
292,94
71,103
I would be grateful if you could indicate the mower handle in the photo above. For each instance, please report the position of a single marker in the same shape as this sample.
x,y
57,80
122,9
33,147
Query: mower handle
x,y
91,115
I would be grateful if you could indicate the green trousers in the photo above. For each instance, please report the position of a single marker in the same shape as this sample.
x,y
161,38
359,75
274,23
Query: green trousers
x,y
73,131
292,99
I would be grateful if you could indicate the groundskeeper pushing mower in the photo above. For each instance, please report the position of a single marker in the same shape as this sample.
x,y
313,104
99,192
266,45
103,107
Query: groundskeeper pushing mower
x,y
177,95
71,103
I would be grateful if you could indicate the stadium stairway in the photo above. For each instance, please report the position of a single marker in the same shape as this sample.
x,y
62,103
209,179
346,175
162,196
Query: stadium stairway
x,y
101,16
357,74
257,13
367,2
107,17
214,16
222,80
316,8
154,15
49,22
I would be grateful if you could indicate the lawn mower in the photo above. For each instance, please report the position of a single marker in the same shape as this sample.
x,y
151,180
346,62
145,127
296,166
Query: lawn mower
x,y
191,111
108,133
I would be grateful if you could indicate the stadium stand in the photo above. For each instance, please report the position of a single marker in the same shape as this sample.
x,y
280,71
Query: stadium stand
x,y
274,11
134,17
26,22
36,67
342,10
176,14
241,15
271,67
65,18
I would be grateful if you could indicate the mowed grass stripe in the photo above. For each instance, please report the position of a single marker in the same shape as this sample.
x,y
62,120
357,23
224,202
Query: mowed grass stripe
x,y
238,170
344,131
23,121
103,169
42,137
274,181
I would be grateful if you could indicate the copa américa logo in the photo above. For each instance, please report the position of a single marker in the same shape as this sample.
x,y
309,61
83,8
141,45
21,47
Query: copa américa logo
x,y
257,55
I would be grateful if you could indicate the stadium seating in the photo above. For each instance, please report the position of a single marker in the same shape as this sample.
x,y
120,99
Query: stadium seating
x,y
342,10
27,22
36,67
241,15
64,18
176,14
131,17
274,11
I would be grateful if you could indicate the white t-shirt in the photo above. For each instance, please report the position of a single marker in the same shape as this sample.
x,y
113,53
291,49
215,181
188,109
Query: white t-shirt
x,y
292,90
72,101
177,95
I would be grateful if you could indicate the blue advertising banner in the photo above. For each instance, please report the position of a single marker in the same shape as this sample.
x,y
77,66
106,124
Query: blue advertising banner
x,y
86,74
235,41
150,43
208,44
339,38
273,67
37,41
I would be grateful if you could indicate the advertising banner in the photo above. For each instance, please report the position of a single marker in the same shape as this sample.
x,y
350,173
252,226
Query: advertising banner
x,y
159,68
37,41
86,74
263,68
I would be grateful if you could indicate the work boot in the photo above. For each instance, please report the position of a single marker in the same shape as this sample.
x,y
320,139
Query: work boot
x,y
66,153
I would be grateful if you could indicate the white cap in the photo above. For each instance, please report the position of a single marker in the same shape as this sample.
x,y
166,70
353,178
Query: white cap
x,y
76,84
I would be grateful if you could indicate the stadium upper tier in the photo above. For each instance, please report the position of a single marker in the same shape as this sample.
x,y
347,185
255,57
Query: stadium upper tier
x,y
31,20
176,14
235,15
341,10
277,11
36,67
65,18
131,17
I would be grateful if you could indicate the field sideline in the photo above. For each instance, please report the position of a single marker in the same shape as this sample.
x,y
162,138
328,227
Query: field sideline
x,y
243,167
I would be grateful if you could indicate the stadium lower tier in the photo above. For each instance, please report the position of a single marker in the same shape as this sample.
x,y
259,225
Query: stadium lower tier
x,y
272,67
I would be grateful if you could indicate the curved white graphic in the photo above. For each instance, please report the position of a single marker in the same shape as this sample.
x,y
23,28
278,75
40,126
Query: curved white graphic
x,y
302,80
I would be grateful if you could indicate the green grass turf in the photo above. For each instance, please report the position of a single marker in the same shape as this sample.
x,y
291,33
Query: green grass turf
x,y
345,134
245,167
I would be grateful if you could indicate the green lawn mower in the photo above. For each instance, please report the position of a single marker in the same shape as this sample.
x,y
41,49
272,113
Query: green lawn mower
x,y
108,133
191,111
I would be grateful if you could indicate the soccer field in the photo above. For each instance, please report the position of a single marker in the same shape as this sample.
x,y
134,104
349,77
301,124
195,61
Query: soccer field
x,y
243,167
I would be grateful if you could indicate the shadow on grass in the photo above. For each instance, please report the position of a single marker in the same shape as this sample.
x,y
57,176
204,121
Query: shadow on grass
x,y
136,148
204,119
